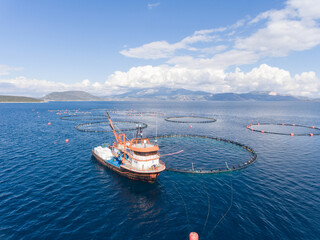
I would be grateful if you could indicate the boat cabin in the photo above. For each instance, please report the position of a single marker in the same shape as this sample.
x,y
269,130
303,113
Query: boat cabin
x,y
144,154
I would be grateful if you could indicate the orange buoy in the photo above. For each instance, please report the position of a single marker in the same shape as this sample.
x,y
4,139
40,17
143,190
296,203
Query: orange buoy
x,y
311,134
251,129
193,236
293,124
258,124
262,131
54,142
49,123
282,124
313,127
291,134
190,126
67,140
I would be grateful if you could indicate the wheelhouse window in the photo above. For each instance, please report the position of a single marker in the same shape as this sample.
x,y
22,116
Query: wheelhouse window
x,y
145,153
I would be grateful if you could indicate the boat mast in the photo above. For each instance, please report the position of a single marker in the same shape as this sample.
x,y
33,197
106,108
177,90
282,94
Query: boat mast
x,y
114,131
139,133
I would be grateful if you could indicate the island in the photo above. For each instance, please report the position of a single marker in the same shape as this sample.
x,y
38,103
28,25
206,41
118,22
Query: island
x,y
19,99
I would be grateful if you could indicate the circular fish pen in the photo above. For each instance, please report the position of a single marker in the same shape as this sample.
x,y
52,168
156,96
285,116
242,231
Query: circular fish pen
x,y
104,109
204,154
123,126
84,117
284,129
145,114
190,119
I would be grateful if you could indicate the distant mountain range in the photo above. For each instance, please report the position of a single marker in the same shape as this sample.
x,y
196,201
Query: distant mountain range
x,y
70,96
165,94
169,94
188,95
156,94
251,96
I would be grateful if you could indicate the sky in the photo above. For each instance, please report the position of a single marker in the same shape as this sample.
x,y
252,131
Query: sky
x,y
110,47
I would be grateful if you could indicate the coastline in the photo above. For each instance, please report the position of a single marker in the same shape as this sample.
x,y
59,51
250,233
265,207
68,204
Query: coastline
x,y
24,102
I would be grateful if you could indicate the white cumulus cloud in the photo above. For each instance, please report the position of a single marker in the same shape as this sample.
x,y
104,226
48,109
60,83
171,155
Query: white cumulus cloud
x,y
307,9
163,49
262,78
292,28
202,60
188,64
37,88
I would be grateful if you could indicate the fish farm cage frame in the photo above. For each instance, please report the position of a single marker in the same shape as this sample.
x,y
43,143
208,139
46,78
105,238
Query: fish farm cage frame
x,y
112,110
83,117
250,127
145,114
217,170
142,126
205,119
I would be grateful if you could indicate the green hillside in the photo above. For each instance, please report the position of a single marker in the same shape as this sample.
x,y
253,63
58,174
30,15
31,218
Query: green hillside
x,y
5,98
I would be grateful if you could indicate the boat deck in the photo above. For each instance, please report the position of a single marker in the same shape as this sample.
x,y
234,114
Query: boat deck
x,y
114,162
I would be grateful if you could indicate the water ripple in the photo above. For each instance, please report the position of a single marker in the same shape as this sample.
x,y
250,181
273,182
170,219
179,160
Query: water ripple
x,y
51,189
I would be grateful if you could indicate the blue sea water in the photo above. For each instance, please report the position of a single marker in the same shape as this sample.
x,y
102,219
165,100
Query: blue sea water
x,y
50,189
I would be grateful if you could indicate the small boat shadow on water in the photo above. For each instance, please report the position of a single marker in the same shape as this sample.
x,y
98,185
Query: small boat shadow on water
x,y
136,187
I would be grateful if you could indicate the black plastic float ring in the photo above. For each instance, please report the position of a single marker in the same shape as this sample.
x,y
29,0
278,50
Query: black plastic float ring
x,y
83,117
142,126
250,127
213,171
205,119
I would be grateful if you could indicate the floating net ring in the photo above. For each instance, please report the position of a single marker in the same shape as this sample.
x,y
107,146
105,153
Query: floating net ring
x,y
190,119
72,112
314,130
145,114
65,110
115,111
225,169
84,117
112,110
105,126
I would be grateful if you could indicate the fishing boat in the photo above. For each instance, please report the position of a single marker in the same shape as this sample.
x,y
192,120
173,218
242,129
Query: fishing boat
x,y
137,159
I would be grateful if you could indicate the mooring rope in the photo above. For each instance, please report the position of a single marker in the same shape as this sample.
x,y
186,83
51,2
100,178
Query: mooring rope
x,y
185,206
205,223
225,214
